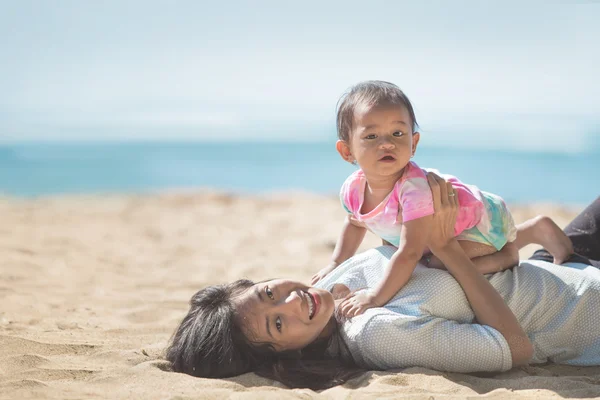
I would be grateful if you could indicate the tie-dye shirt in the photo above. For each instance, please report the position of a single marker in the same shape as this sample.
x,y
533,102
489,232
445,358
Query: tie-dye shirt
x,y
411,199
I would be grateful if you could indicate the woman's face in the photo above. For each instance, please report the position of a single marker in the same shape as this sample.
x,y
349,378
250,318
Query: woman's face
x,y
287,314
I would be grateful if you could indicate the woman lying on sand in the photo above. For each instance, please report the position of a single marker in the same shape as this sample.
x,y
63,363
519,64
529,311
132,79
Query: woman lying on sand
x,y
455,320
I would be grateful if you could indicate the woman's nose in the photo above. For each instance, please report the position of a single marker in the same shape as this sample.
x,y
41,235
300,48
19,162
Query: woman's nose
x,y
292,303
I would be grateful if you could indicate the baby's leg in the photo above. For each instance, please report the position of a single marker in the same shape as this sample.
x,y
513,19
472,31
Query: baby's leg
x,y
485,257
489,260
543,231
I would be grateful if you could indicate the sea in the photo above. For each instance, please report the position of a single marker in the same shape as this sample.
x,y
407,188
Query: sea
x,y
33,169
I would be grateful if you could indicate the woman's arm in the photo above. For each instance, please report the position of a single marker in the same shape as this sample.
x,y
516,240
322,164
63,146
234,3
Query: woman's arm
x,y
487,304
389,341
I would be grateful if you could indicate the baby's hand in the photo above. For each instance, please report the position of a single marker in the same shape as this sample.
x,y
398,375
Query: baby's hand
x,y
322,273
357,303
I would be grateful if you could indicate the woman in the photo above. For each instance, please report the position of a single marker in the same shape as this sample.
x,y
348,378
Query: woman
x,y
455,320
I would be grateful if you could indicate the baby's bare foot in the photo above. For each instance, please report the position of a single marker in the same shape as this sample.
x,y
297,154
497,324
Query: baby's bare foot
x,y
553,238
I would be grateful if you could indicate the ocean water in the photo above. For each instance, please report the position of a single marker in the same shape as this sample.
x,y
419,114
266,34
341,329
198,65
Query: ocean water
x,y
36,169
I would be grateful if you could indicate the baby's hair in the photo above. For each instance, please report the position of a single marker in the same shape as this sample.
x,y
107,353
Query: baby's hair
x,y
369,94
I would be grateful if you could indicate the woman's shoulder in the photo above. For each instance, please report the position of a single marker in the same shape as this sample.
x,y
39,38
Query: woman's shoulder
x,y
378,320
372,337
353,271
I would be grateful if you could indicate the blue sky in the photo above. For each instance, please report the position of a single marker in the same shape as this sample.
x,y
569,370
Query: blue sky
x,y
510,74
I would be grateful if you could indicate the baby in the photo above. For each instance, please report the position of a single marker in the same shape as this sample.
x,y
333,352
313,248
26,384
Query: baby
x,y
389,196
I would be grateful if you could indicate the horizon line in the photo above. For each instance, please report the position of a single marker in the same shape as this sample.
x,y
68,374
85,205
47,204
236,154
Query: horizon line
x,y
266,141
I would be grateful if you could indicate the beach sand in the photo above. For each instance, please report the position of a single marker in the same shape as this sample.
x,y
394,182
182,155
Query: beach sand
x,y
92,287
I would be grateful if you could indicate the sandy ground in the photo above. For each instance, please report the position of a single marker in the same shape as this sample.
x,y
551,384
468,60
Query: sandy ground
x,y
91,288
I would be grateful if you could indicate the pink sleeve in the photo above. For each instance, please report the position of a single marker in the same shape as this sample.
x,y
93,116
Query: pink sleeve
x,y
349,194
415,199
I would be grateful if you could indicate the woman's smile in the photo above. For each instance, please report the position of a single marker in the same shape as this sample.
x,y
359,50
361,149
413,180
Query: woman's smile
x,y
313,304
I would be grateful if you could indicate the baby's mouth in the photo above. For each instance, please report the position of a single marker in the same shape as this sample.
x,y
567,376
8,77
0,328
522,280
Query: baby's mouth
x,y
387,158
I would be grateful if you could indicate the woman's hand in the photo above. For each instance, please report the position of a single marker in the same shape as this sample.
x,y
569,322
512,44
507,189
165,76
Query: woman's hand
x,y
445,204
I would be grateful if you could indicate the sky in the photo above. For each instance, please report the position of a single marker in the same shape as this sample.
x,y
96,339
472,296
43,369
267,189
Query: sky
x,y
514,75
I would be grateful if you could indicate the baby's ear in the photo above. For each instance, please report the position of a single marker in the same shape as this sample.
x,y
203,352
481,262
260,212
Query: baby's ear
x,y
344,149
415,141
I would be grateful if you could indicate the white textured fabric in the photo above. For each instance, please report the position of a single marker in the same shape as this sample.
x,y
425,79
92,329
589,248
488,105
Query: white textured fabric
x,y
430,323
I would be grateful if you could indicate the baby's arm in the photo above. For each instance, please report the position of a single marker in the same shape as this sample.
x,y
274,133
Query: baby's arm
x,y
350,238
413,239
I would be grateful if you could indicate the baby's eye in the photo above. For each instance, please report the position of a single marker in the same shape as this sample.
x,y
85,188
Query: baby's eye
x,y
371,136
398,134
269,293
278,324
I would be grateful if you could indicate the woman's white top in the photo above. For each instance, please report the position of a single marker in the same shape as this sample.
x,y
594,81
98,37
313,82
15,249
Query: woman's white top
x,y
429,323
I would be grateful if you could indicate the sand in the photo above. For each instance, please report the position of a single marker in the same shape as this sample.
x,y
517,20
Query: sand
x,y
92,287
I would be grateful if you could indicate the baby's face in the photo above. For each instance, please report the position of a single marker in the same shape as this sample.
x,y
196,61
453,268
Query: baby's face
x,y
382,140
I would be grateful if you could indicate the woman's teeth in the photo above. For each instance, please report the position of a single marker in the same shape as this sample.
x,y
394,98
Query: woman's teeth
x,y
311,306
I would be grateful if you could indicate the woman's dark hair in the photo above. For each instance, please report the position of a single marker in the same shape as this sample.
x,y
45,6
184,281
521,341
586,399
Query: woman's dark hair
x,y
370,94
210,343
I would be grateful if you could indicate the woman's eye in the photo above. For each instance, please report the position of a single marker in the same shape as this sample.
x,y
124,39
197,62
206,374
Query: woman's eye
x,y
398,134
371,136
278,324
269,293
